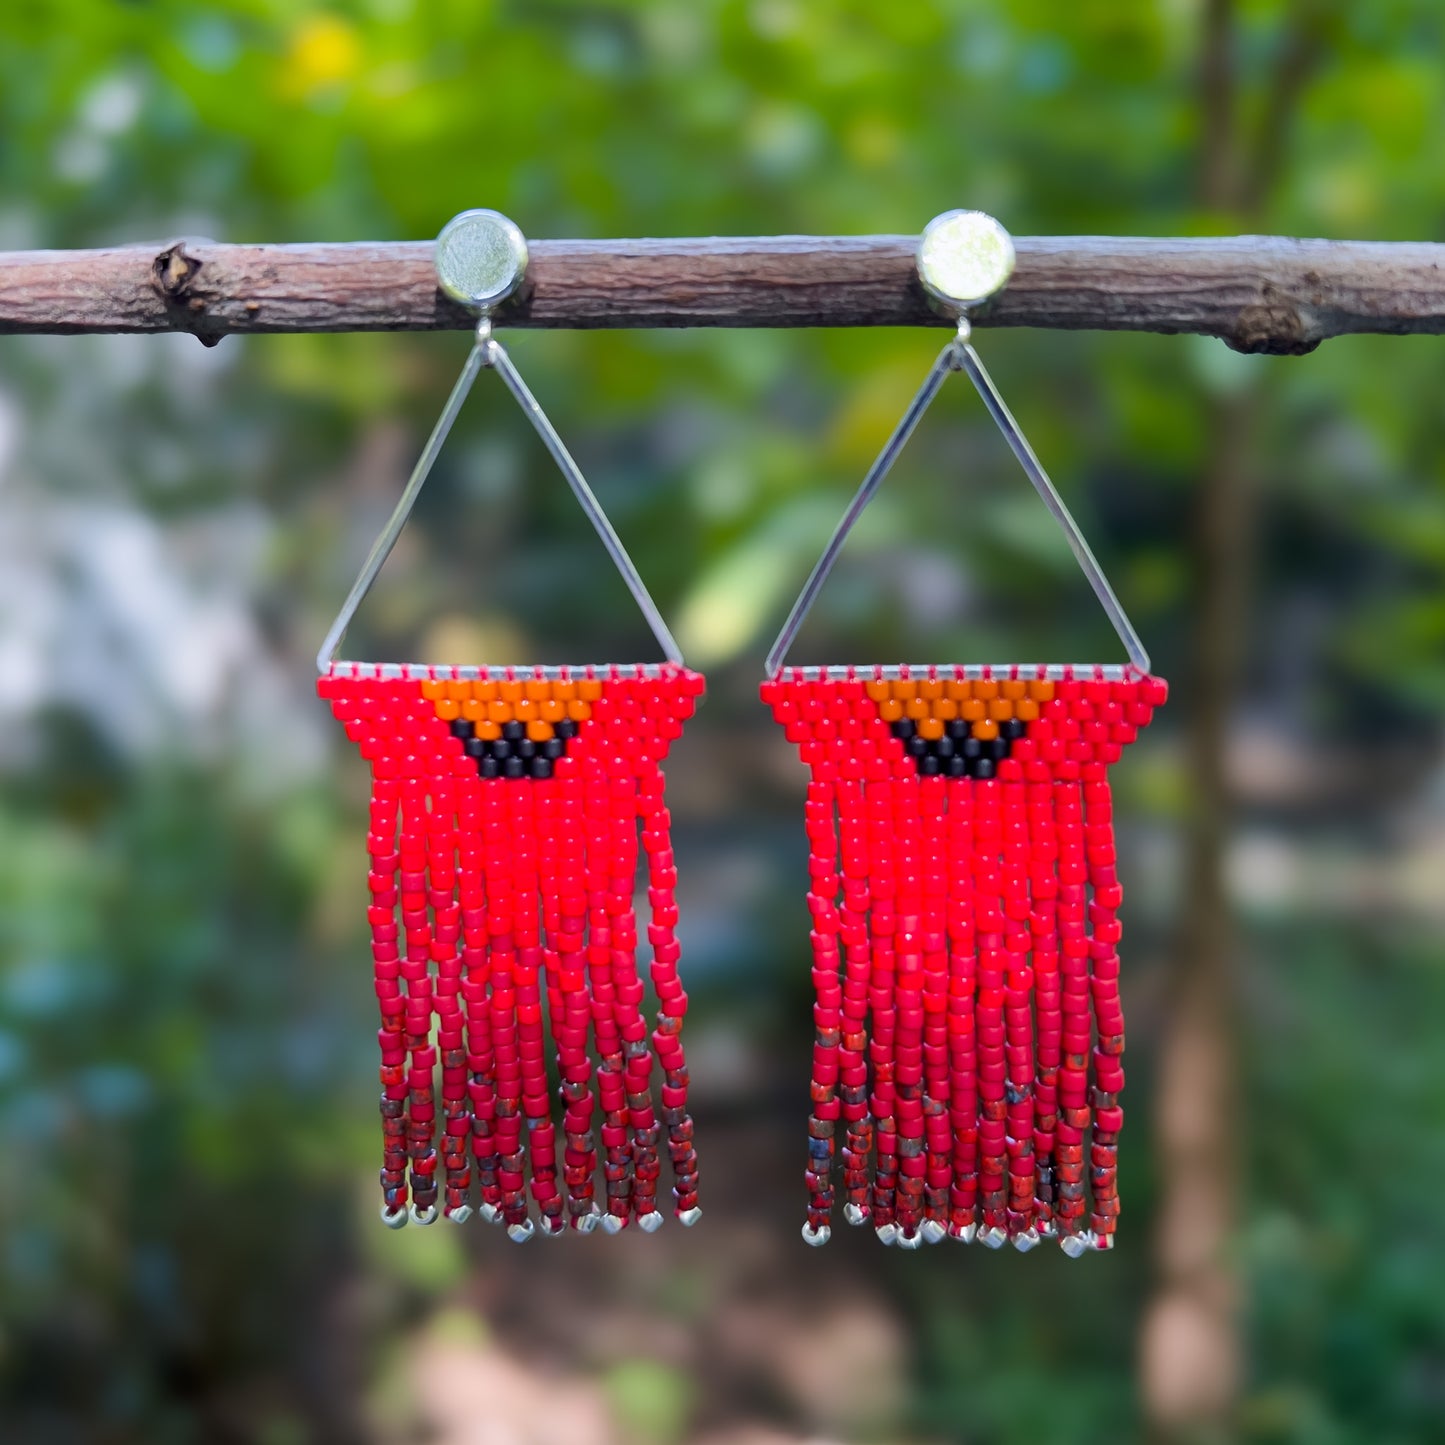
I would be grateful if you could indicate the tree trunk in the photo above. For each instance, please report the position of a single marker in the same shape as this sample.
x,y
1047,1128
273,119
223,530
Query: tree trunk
x,y
1190,1346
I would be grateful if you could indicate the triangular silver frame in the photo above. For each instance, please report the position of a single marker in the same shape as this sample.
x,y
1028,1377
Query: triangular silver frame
x,y
499,246
958,355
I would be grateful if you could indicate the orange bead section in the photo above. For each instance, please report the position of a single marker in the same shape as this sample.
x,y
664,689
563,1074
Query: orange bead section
x,y
538,702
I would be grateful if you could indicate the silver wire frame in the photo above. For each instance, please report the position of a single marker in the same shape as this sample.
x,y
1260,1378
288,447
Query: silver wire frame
x,y
523,672
959,355
488,352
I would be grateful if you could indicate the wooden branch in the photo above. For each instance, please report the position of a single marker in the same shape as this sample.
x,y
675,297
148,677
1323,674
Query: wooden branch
x,y
1259,293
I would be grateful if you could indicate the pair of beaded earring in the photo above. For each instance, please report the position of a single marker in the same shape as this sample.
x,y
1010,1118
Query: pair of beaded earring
x,y
963,889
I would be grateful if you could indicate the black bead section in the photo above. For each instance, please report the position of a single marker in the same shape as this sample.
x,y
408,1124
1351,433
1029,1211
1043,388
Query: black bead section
x,y
514,754
958,754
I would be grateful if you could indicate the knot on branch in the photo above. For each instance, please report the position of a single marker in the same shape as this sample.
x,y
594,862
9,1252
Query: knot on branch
x,y
1272,328
174,270
173,274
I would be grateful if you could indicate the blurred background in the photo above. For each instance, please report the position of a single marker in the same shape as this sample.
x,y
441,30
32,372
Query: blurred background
x,y
188,1141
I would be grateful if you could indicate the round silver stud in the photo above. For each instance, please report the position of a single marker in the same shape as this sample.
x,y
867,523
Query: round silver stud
x,y
650,1222
425,1216
481,258
932,1231
994,1238
553,1228
394,1218
1074,1245
613,1224
855,1214
1026,1241
887,1233
909,1241
964,257
688,1217
521,1233
490,1213
964,1235
819,1236
460,1214
586,1223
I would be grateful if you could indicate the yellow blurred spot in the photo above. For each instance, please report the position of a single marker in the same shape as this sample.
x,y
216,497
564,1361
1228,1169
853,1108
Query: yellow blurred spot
x,y
1347,194
473,641
732,599
863,423
873,141
325,51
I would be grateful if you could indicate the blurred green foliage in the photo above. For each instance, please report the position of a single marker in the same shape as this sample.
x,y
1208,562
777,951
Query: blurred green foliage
x,y
185,1051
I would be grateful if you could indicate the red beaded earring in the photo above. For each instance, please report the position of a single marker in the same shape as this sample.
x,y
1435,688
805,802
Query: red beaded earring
x,y
509,810
964,894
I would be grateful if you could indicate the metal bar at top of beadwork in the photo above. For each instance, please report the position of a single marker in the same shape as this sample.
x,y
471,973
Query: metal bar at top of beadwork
x,y
507,810
964,898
